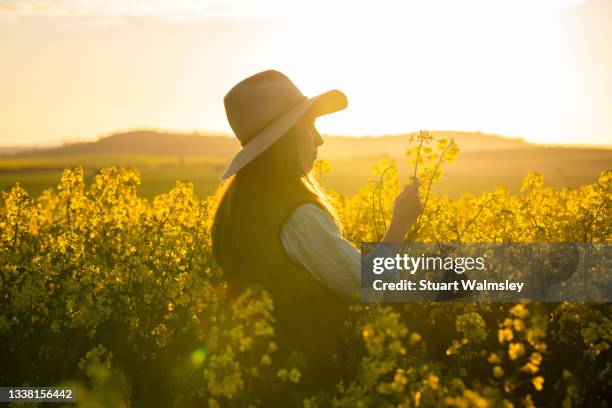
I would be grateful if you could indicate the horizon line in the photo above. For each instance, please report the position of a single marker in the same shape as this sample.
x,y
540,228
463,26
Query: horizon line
x,y
208,133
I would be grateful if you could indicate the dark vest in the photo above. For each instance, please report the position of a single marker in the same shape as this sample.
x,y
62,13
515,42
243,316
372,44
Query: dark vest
x,y
309,317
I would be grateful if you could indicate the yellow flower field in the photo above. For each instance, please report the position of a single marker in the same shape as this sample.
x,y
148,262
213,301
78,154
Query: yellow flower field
x,y
121,298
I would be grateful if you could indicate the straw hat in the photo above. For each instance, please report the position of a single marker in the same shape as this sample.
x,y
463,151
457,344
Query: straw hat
x,y
263,107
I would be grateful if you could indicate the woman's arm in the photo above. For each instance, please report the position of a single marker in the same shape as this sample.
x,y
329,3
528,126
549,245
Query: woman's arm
x,y
312,239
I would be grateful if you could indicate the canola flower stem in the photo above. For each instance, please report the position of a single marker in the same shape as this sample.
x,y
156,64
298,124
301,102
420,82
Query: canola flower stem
x,y
471,221
380,186
418,157
378,237
418,223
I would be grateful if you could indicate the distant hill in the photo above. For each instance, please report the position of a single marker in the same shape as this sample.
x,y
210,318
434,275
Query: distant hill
x,y
147,142
485,161
395,145
12,150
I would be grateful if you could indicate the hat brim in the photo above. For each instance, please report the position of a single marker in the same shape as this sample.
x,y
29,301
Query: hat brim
x,y
328,102
323,104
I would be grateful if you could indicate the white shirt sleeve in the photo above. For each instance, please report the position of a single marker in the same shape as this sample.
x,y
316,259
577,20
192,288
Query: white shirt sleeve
x,y
313,240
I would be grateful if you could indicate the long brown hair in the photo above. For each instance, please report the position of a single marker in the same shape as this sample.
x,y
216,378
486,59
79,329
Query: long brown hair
x,y
258,199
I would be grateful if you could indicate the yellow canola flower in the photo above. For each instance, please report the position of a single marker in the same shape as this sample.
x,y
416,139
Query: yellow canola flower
x,y
265,360
519,311
294,375
272,347
504,335
494,358
498,372
282,373
538,383
433,381
516,350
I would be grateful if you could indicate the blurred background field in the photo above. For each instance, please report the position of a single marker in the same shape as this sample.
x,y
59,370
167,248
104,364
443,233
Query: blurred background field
x,y
485,161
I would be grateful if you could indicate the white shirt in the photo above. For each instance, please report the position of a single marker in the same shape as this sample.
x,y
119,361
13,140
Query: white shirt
x,y
313,240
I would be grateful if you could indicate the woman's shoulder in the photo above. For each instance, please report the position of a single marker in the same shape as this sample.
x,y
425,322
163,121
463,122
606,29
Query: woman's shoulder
x,y
308,217
308,210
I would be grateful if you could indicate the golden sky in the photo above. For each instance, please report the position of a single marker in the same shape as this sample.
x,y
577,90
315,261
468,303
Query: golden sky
x,y
76,69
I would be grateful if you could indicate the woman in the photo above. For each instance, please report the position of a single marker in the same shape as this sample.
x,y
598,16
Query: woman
x,y
275,228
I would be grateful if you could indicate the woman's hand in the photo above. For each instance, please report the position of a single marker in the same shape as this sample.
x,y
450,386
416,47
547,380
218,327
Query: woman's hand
x,y
407,205
406,209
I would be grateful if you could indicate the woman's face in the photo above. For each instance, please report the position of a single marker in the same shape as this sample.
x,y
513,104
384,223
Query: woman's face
x,y
309,141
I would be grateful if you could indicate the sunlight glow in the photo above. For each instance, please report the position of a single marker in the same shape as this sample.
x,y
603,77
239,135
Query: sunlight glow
x,y
428,70
533,69
175,9
198,356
